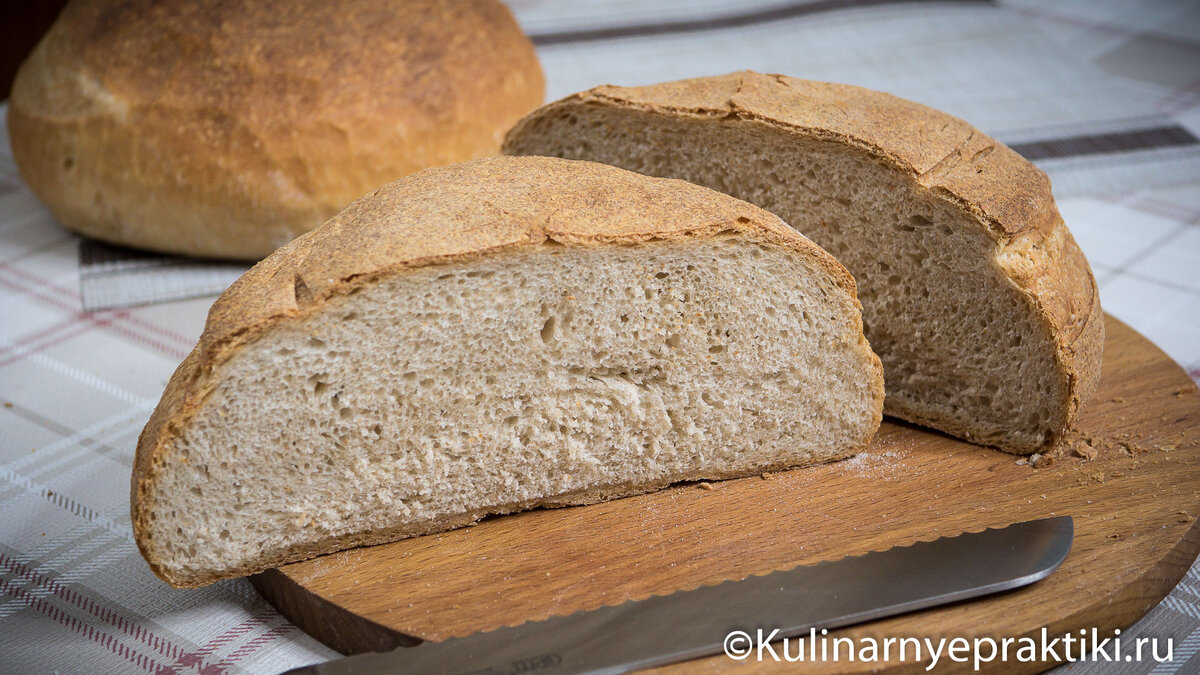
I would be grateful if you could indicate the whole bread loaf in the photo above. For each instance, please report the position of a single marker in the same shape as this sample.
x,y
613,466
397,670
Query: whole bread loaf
x,y
495,336
225,129
975,296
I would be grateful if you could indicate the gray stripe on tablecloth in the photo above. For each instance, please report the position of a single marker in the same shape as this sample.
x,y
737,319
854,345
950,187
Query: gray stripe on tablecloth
x,y
114,276
721,22
89,442
1166,136
93,252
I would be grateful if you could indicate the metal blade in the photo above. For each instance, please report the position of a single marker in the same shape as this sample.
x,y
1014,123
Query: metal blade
x,y
690,624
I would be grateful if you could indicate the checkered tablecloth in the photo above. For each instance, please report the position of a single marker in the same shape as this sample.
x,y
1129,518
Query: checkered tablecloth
x,y
1105,96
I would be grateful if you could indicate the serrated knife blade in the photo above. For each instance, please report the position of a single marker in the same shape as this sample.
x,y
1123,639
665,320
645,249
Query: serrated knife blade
x,y
689,624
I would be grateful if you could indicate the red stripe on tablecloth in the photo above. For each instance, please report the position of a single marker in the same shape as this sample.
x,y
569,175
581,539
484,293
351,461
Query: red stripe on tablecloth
x,y
77,302
74,296
39,282
193,658
46,345
255,644
43,334
87,630
137,631
107,320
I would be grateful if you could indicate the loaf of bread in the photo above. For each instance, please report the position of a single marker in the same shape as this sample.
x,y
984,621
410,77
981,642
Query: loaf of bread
x,y
975,296
494,336
225,129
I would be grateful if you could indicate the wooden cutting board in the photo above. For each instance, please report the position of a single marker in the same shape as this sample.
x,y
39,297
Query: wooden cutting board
x,y
1131,480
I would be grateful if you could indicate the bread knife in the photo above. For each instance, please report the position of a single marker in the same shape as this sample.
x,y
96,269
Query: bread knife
x,y
689,624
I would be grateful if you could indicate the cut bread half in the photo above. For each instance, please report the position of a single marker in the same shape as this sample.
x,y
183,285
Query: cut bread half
x,y
495,336
975,296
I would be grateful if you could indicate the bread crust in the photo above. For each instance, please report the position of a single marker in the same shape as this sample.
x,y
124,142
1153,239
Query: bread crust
x,y
1004,194
226,129
441,216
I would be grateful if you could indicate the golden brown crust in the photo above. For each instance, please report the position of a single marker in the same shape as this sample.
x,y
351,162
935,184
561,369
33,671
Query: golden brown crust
x,y
226,129
439,216
1004,193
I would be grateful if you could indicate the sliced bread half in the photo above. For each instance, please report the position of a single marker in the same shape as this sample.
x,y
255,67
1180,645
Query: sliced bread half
x,y
495,336
975,295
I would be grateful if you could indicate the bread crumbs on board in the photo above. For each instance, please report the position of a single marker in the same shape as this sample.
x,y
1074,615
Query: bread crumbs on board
x,y
874,465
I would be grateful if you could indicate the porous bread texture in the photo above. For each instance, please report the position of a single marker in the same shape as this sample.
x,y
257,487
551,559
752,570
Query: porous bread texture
x,y
220,129
975,296
631,333
543,376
